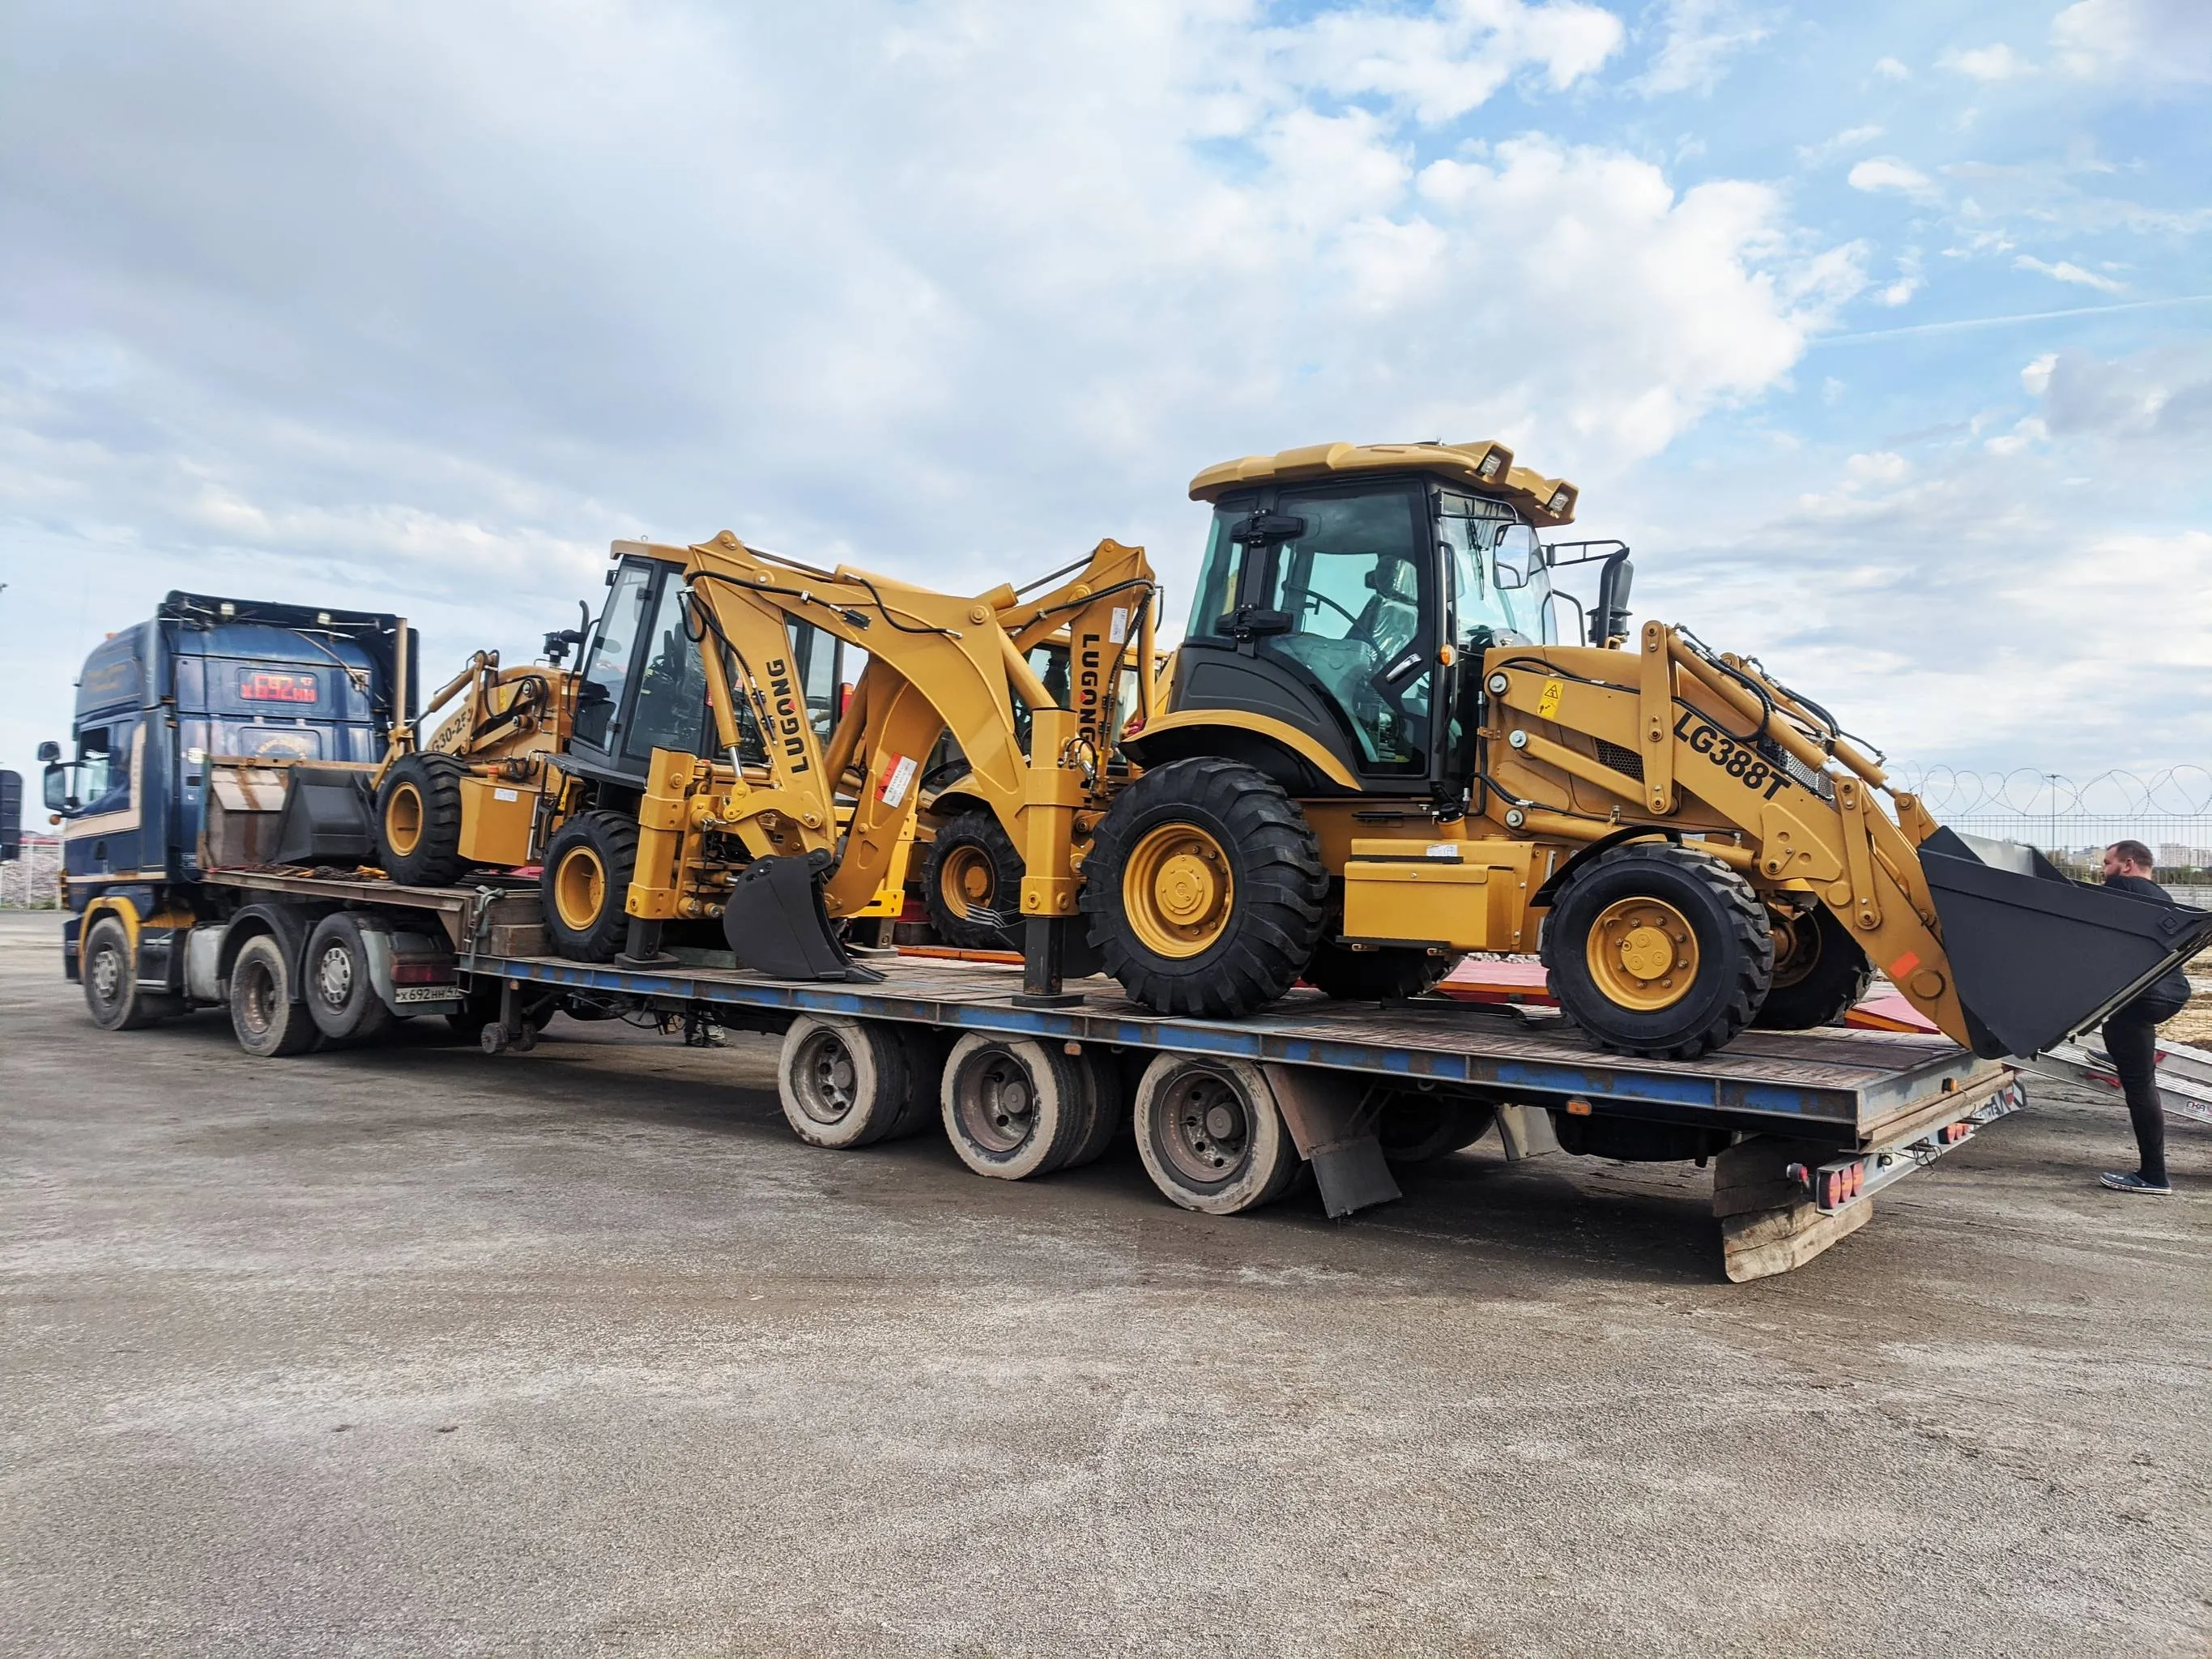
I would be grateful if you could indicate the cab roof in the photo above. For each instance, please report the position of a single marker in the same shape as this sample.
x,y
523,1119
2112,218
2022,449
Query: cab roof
x,y
1484,467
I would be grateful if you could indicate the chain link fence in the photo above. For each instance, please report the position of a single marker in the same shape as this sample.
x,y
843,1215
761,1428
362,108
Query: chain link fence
x,y
2072,822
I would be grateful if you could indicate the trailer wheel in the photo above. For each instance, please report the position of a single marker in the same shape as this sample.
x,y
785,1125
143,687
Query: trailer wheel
x,y
1108,1102
1656,951
971,883
1210,1136
341,997
1206,889
263,1013
1377,975
1415,1127
1820,973
589,866
418,820
844,1082
1013,1107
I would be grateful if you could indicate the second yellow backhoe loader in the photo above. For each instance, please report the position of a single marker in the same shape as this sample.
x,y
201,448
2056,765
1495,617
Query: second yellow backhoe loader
x,y
1379,755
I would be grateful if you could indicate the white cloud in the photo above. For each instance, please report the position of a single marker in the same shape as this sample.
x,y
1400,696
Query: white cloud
x,y
1700,38
421,308
2151,46
2035,376
1881,467
1850,139
1997,63
1907,282
2066,272
1889,68
1882,173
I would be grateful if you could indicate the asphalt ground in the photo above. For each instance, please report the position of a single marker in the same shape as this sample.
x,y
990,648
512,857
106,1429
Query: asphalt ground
x,y
413,1350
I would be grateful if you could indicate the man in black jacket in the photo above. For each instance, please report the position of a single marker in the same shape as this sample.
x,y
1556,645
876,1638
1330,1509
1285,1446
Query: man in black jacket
x,y
2131,1031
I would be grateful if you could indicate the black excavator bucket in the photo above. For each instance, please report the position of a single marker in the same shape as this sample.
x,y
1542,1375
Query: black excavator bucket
x,y
776,925
2037,958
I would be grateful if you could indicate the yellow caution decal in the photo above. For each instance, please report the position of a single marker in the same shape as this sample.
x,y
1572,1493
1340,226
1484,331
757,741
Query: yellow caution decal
x,y
1548,704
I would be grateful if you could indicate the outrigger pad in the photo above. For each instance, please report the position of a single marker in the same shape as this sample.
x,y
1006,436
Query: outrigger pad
x,y
2037,958
776,925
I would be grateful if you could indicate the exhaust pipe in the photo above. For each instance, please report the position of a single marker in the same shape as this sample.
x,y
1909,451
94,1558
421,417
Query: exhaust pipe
x,y
2037,958
776,925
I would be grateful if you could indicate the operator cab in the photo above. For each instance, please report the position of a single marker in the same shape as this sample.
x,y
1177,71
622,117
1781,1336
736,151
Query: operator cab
x,y
1333,580
644,686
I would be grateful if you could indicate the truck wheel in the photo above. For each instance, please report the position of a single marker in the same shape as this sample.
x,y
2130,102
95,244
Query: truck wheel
x,y
971,883
1378,975
1210,1134
342,997
1014,1107
586,884
1415,1127
418,820
1205,889
269,1023
844,1082
1654,950
110,980
483,1010
1820,973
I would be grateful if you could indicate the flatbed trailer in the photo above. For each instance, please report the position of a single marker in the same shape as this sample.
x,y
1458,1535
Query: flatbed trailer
x,y
1802,1128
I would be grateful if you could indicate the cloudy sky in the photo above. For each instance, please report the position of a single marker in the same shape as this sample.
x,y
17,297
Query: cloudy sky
x,y
1881,330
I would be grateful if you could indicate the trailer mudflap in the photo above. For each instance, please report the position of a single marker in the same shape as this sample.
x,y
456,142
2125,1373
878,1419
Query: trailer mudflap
x,y
2037,958
776,925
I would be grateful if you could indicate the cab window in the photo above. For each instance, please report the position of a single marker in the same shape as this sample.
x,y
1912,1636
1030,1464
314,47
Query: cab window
x,y
606,676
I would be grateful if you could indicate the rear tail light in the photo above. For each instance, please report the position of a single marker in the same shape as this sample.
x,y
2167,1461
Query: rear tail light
x,y
420,972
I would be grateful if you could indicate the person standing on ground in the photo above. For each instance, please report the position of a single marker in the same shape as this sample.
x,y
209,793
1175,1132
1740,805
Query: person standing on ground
x,y
2131,1032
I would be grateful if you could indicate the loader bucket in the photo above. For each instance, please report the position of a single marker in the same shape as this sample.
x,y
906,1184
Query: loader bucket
x,y
2037,958
777,926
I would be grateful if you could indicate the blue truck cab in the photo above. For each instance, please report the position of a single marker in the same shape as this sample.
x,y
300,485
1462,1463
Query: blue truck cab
x,y
203,676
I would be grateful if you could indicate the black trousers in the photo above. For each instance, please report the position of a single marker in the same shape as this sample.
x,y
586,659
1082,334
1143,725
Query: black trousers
x,y
2132,1039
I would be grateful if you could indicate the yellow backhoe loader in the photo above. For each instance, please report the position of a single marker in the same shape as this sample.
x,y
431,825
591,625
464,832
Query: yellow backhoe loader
x,y
1379,754
776,843
474,794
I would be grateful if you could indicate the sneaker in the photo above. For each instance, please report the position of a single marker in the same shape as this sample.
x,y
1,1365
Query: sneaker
x,y
2135,1183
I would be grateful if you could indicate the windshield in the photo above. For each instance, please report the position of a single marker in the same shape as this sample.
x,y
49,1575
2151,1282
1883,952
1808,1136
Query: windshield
x,y
1470,529
1353,586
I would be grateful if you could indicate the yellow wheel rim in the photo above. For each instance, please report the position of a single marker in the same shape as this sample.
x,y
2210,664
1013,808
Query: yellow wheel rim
x,y
1177,892
964,880
580,888
403,819
1643,953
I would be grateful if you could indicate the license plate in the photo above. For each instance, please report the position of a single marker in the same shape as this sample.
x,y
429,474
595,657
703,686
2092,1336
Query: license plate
x,y
427,994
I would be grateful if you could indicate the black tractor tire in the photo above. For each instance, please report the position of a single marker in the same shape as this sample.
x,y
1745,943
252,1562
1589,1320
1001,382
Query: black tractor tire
x,y
1382,975
1205,889
1678,914
586,882
418,820
1820,973
270,1022
341,996
973,867
110,973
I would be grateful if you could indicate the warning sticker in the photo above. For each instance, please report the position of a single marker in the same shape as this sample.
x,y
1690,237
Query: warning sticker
x,y
1548,701
1120,630
898,778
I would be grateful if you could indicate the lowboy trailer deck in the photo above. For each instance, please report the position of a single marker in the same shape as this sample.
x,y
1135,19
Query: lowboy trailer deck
x,y
1801,1128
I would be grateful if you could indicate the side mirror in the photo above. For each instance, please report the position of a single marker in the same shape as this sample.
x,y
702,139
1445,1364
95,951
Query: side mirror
x,y
49,752
55,784
1517,556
